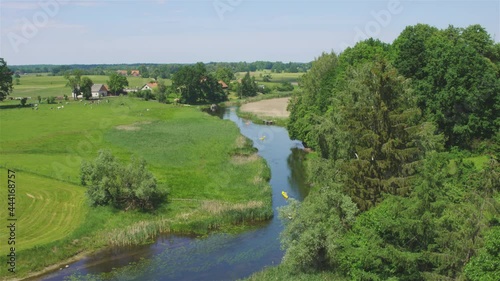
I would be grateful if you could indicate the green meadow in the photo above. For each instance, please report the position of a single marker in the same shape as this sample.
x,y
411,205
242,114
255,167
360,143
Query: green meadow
x,y
45,86
215,180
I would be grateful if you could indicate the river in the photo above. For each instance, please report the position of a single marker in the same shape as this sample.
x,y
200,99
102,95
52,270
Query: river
x,y
218,256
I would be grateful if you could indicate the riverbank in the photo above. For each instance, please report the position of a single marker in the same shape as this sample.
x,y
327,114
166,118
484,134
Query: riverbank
x,y
214,179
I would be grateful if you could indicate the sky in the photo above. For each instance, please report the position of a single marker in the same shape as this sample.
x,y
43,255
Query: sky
x,y
188,31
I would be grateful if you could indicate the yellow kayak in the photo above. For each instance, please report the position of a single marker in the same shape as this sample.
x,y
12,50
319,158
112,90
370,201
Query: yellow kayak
x,y
284,194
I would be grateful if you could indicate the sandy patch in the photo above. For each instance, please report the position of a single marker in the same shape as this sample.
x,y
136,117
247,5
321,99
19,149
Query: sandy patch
x,y
268,108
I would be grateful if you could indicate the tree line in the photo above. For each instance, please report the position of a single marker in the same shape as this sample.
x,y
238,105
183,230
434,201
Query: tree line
x,y
163,71
394,196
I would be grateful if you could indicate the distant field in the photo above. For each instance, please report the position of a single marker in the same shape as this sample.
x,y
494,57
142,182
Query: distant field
x,y
275,77
188,151
46,86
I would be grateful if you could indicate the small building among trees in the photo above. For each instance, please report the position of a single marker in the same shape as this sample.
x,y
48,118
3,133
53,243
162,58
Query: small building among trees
x,y
98,91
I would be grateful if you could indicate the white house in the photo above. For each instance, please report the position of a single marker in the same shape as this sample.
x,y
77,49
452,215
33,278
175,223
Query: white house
x,y
99,90
149,86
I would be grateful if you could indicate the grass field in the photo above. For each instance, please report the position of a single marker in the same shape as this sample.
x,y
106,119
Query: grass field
x,y
50,213
45,86
212,175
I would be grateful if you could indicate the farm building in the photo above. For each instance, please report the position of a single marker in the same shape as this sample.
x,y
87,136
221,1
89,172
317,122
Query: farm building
x,y
224,85
99,90
149,86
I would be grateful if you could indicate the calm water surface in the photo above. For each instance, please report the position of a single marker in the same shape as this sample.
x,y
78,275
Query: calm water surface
x,y
218,256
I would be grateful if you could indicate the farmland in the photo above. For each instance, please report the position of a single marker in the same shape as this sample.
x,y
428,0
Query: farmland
x,y
189,152
44,86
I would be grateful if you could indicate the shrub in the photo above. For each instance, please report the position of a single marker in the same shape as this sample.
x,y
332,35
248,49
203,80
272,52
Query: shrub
x,y
124,187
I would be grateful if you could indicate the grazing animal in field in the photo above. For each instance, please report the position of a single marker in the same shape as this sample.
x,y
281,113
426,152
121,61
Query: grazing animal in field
x,y
58,107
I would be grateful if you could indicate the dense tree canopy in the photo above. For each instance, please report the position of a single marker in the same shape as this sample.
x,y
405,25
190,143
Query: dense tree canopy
x,y
248,87
5,80
196,85
393,197
117,83
86,87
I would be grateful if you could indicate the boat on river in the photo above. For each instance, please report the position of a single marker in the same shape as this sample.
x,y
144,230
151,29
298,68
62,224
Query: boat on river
x,y
284,194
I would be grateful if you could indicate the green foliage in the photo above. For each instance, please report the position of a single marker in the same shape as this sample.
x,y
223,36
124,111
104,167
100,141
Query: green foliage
x,y
117,83
143,70
486,264
225,74
313,228
23,101
248,87
5,80
125,187
86,87
196,85
51,100
285,87
39,99
455,78
376,132
74,79
410,50
267,78
429,235
313,100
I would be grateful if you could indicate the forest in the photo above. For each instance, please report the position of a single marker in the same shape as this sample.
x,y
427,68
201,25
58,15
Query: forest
x,y
405,171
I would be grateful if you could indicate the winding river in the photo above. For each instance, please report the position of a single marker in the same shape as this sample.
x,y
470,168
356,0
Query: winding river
x,y
218,256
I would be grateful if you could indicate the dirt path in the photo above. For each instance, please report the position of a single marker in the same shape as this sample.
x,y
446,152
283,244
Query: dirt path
x,y
268,108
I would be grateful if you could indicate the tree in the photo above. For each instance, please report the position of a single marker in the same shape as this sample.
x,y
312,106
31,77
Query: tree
x,y
144,71
375,133
267,78
312,229
225,74
460,88
410,50
161,91
117,83
317,87
74,79
5,80
196,85
248,87
109,182
86,87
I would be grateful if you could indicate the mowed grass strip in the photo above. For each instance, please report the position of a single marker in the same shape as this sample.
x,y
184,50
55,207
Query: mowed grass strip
x,y
46,210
